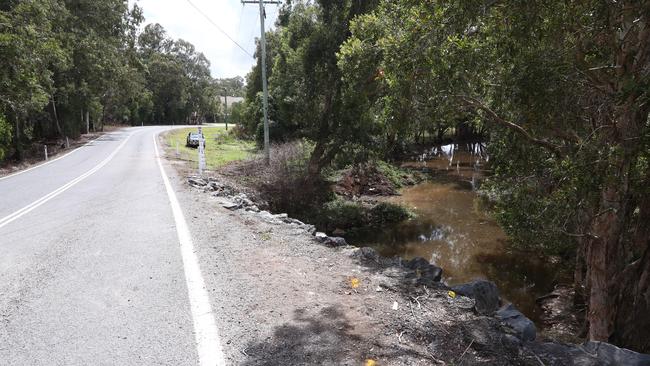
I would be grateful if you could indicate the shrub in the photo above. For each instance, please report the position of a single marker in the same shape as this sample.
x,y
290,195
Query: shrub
x,y
284,183
393,173
386,212
343,214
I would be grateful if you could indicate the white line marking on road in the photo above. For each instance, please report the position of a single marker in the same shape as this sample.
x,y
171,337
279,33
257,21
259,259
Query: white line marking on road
x,y
49,161
208,343
32,206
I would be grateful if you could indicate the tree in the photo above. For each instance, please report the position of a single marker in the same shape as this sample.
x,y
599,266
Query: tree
x,y
305,81
27,49
233,86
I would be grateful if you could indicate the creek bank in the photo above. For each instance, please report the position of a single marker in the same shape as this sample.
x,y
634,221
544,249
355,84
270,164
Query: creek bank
x,y
408,304
343,201
366,207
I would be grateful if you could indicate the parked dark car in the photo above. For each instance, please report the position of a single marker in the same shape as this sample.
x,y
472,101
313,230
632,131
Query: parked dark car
x,y
193,139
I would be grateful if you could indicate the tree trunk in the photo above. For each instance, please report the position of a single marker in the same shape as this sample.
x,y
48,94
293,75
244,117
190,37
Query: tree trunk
x,y
87,122
19,148
55,115
603,258
315,160
632,321
320,156
617,265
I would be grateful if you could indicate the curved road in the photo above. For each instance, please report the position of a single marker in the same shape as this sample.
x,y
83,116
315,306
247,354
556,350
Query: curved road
x,y
97,267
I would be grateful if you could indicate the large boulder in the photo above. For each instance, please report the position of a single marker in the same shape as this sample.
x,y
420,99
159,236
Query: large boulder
x,y
522,327
591,353
197,182
425,272
485,294
320,236
335,241
366,254
609,354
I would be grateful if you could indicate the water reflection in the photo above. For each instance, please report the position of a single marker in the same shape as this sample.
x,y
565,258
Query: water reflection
x,y
454,231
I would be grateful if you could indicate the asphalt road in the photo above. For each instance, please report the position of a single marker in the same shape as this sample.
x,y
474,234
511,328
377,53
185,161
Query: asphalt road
x,y
95,268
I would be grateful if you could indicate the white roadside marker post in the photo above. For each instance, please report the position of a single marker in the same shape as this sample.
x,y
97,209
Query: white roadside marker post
x,y
201,155
45,148
67,143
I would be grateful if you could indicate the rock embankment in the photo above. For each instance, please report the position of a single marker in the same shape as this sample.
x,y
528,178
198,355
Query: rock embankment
x,y
389,310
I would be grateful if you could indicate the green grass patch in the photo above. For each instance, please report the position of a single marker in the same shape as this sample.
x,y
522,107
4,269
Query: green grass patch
x,y
220,146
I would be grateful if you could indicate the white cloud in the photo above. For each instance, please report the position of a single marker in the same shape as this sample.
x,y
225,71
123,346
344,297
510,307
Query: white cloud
x,y
240,22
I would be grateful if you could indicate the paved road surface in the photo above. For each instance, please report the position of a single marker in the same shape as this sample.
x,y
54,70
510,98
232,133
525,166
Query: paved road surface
x,y
95,272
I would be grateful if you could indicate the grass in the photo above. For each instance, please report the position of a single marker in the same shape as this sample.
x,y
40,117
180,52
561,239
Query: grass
x,y
220,147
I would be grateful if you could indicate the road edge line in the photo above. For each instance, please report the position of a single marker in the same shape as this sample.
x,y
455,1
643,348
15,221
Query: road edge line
x,y
42,164
44,199
208,343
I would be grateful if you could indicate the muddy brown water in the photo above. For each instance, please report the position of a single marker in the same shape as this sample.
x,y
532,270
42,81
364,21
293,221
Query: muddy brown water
x,y
456,232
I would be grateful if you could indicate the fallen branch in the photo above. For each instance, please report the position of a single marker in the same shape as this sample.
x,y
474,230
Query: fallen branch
x,y
466,349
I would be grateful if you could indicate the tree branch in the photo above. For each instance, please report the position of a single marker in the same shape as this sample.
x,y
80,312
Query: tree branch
x,y
494,117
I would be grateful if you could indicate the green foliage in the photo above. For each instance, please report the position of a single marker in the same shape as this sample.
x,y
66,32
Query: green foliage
x,y
343,214
5,136
394,174
232,86
386,212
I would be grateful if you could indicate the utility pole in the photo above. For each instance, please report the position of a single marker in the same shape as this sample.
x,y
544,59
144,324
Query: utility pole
x,y
265,100
225,110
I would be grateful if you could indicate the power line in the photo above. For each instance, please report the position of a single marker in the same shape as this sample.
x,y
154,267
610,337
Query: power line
x,y
219,28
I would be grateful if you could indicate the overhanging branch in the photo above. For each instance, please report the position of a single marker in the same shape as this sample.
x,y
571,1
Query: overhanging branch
x,y
494,117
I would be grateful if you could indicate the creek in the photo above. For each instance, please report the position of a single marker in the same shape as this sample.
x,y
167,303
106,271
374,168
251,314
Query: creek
x,y
454,230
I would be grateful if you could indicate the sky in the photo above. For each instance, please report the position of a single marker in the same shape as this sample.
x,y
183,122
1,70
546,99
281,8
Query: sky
x,y
240,22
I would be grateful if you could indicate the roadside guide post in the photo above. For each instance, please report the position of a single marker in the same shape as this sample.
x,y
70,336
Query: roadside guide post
x,y
201,152
45,148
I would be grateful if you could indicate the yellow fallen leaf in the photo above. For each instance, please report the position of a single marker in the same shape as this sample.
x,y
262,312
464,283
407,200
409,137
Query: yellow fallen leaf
x,y
370,362
451,294
354,282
